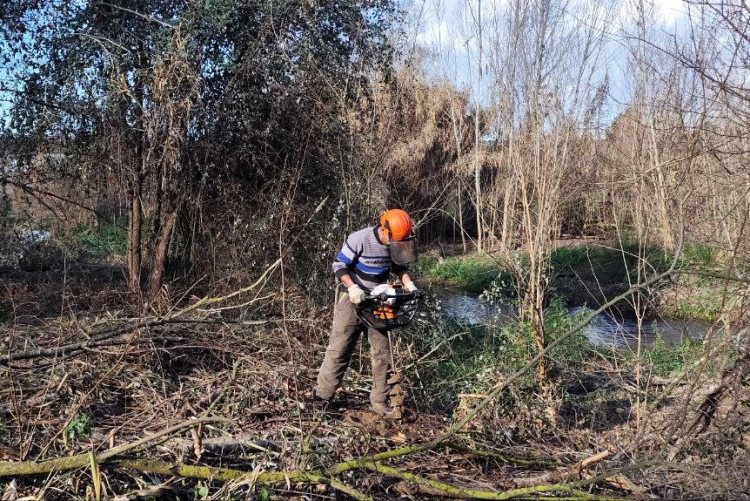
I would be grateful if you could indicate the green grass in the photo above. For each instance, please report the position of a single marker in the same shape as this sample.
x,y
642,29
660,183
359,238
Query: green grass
x,y
701,255
102,242
473,273
659,359
577,255
609,263
698,298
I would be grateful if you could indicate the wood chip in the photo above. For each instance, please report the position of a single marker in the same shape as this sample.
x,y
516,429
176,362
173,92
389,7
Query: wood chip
x,y
399,438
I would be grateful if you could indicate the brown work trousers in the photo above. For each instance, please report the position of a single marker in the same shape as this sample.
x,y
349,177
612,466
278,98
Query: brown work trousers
x,y
344,335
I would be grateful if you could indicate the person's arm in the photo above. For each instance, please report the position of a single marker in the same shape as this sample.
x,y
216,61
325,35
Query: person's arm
x,y
345,259
346,280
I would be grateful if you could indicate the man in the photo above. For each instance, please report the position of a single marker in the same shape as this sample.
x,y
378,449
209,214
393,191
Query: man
x,y
366,260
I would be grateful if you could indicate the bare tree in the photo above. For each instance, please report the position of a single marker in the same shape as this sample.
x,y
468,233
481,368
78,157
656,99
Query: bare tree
x,y
547,65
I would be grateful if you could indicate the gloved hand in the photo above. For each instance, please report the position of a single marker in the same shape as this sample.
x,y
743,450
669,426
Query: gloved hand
x,y
356,294
410,287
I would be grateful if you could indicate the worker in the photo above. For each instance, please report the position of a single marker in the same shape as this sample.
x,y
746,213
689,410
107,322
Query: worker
x,y
366,260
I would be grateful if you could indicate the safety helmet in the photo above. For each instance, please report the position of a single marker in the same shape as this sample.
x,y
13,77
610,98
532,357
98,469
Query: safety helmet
x,y
397,223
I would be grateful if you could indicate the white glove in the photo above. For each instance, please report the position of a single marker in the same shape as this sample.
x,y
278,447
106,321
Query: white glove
x,y
356,294
410,287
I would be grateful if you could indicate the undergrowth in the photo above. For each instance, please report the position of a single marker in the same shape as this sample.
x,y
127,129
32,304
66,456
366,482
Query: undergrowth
x,y
473,273
590,275
666,360
100,243
471,359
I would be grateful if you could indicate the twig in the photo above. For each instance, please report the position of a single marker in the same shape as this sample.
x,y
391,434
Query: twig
x,y
442,488
143,16
223,393
502,457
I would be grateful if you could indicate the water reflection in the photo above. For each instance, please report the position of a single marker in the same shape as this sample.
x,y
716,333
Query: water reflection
x,y
606,329
475,311
621,331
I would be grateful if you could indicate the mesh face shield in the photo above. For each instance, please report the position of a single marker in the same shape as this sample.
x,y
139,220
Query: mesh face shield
x,y
403,251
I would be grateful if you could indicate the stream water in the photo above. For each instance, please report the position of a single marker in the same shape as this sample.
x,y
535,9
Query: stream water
x,y
611,329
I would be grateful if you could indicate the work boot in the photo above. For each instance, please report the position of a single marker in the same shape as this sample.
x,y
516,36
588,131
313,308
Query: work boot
x,y
382,409
318,398
314,401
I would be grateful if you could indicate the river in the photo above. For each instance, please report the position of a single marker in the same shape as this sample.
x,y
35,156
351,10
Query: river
x,y
609,329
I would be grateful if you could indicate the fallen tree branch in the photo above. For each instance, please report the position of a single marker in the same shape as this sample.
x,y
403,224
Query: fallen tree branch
x,y
502,457
323,476
13,468
136,325
562,474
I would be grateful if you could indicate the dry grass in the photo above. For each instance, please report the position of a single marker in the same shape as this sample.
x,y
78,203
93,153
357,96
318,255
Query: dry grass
x,y
258,375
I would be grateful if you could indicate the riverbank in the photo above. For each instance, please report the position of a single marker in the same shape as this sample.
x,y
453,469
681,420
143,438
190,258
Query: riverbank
x,y
588,275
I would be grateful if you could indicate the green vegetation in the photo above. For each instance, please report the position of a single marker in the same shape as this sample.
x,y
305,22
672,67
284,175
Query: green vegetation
x,y
473,273
699,254
659,358
102,242
701,299
665,360
200,491
77,429
586,274
469,359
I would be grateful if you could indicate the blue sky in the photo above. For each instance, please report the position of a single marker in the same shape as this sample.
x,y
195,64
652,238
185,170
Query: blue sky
x,y
5,96
443,27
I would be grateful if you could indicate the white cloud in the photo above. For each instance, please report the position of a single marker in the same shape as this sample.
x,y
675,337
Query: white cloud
x,y
437,34
665,12
669,12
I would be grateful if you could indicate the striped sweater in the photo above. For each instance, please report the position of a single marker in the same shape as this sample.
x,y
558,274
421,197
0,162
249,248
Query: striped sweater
x,y
366,259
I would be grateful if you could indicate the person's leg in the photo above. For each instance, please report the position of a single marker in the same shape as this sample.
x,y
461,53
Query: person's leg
x,y
344,335
381,362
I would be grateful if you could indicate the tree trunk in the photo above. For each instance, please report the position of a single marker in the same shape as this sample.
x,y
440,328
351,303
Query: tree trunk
x,y
160,254
509,203
134,238
477,163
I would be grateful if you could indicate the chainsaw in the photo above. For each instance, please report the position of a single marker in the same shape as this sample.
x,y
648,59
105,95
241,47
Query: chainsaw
x,y
385,309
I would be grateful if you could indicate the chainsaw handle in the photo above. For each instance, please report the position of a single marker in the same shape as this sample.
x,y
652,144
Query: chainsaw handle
x,y
400,295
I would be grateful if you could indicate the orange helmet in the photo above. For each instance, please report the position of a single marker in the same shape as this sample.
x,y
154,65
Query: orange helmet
x,y
397,223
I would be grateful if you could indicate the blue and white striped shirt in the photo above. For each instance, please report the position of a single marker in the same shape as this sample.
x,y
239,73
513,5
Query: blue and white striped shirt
x,y
366,259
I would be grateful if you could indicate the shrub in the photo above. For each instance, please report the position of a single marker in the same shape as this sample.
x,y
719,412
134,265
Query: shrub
x,y
101,243
666,360
700,254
